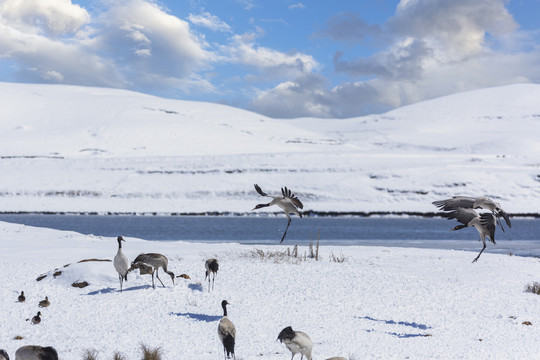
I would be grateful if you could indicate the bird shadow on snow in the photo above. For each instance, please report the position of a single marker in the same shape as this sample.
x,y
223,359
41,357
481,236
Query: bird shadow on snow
x,y
198,317
403,323
108,290
195,287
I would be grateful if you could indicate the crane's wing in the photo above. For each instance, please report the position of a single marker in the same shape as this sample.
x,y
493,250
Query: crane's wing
x,y
454,203
259,190
463,215
490,222
289,195
505,216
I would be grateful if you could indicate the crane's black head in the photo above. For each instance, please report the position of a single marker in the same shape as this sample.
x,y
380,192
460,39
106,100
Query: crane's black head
x,y
258,206
39,313
286,334
120,238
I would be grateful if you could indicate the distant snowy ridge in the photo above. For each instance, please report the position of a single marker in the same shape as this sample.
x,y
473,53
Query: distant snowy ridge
x,y
79,149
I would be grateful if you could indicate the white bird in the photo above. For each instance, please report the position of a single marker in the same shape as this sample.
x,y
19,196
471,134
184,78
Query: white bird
x,y
3,355
296,342
212,267
469,202
154,262
288,202
121,263
485,223
34,352
227,333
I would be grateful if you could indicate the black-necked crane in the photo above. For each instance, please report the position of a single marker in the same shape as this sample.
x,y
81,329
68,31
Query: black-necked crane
x,y
45,302
212,267
121,262
37,318
34,352
484,223
21,297
296,342
469,202
227,333
151,263
3,355
287,201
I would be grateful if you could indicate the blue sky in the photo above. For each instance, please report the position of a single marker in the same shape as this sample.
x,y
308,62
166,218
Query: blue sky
x,y
279,58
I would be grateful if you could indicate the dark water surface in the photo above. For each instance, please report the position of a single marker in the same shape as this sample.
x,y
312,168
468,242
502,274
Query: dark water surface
x,y
522,239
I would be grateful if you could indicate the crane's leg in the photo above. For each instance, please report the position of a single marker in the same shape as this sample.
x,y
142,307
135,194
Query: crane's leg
x,y
157,275
481,251
287,228
120,277
153,284
213,280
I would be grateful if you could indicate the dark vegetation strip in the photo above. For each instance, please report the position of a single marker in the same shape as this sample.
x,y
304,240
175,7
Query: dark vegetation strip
x,y
308,213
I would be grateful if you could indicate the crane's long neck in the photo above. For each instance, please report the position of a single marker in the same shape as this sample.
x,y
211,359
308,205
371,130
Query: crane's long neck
x,y
119,244
224,310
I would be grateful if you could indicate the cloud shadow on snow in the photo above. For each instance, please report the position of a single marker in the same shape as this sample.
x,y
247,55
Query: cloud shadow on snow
x,y
403,323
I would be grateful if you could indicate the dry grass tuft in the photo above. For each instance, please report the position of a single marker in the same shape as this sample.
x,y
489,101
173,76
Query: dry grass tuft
x,y
151,354
90,355
338,259
118,356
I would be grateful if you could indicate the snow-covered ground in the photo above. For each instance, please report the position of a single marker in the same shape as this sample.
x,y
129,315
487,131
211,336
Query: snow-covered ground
x,y
78,149
380,303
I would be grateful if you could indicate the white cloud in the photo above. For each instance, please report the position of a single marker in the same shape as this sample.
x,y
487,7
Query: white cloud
x,y
52,17
297,6
243,50
130,43
209,21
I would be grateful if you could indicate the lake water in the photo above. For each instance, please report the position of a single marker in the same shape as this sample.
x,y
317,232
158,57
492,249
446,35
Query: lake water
x,y
522,239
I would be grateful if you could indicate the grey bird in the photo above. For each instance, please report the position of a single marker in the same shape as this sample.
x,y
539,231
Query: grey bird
x,y
212,267
296,342
44,303
34,352
121,263
484,223
21,297
287,201
469,202
150,264
227,333
3,355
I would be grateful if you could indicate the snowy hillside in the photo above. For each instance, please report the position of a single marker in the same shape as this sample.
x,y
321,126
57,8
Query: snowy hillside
x,y
78,149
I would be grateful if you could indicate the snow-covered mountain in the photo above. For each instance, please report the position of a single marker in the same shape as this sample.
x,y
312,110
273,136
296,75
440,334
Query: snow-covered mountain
x,y
80,149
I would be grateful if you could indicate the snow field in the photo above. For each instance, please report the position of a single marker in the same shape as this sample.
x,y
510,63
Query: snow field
x,y
380,303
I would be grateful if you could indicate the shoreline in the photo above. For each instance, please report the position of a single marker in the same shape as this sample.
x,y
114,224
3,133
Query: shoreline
x,y
308,213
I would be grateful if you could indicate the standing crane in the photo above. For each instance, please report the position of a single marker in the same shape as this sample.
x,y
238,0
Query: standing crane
x,y
287,201
212,267
150,263
227,333
121,262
